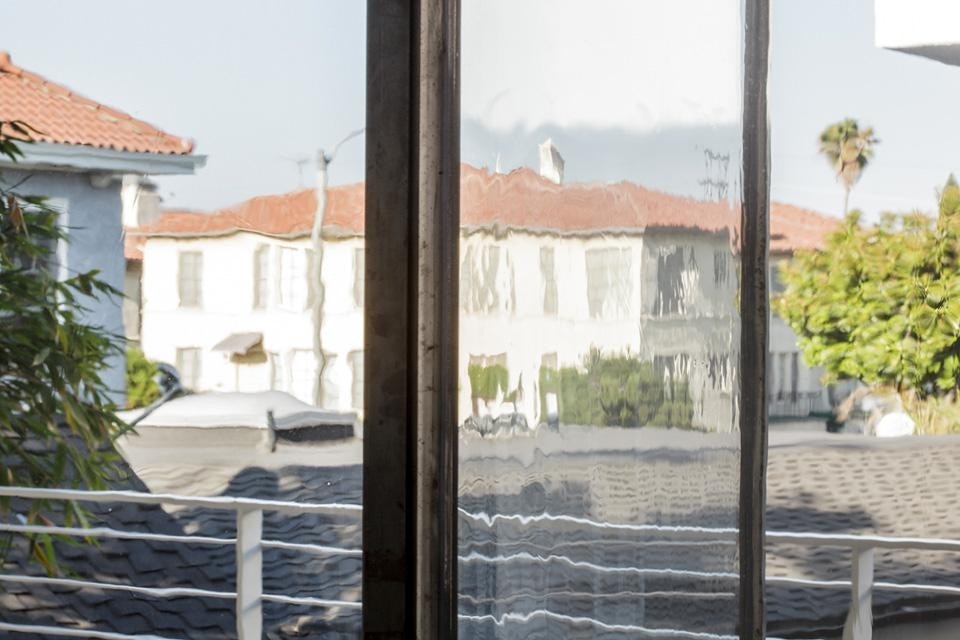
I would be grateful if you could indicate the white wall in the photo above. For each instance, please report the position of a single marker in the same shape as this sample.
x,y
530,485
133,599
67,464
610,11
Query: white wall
x,y
227,307
929,28
700,338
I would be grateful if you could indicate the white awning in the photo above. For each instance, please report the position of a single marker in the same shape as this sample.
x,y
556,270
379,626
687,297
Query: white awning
x,y
239,344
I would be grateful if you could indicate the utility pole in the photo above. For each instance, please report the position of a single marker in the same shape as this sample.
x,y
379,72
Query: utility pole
x,y
316,275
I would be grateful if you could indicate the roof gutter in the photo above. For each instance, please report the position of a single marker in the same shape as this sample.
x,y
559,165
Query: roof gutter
x,y
70,157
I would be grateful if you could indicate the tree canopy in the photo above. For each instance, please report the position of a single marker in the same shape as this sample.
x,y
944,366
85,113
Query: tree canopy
x,y
881,303
56,420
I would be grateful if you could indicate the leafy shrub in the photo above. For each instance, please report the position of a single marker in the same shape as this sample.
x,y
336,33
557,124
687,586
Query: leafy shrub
x,y
617,390
142,386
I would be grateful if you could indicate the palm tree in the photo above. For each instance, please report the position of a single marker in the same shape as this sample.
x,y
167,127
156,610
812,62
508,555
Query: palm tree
x,y
848,149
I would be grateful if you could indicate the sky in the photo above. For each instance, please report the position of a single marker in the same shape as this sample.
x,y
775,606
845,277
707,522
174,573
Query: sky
x,y
639,90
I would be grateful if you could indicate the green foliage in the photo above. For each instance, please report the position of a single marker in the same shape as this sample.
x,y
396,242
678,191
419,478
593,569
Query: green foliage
x,y
618,390
487,380
56,422
142,386
882,304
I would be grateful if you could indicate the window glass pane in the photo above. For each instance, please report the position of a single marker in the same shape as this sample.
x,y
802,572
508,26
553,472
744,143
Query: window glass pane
x,y
293,278
190,278
331,382
356,382
186,151
599,320
261,277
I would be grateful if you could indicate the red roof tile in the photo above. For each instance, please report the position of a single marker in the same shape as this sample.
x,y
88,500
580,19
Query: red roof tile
x,y
133,246
61,116
517,200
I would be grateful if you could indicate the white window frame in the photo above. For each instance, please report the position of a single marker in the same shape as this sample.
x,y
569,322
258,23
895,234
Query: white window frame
x,y
291,276
197,277
191,381
261,276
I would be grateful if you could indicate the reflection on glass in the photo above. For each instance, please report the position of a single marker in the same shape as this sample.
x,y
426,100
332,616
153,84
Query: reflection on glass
x,y
599,325
243,327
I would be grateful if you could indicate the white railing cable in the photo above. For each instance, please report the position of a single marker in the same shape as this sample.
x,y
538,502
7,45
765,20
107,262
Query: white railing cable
x,y
312,602
158,592
120,534
67,632
852,541
847,584
311,548
580,564
722,533
228,503
249,545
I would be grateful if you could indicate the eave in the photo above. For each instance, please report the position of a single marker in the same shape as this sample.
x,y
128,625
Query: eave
x,y
47,156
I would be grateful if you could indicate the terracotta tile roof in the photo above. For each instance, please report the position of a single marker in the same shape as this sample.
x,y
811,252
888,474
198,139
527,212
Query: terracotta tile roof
x,y
793,228
517,200
133,246
61,116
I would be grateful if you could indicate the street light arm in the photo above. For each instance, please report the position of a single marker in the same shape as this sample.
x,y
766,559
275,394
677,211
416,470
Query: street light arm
x,y
350,136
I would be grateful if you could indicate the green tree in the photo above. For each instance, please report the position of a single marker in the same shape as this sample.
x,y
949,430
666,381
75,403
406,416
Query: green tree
x,y
56,420
848,149
881,304
617,390
142,386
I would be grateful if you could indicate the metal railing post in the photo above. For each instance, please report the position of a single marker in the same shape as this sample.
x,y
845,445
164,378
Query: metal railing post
x,y
249,574
859,625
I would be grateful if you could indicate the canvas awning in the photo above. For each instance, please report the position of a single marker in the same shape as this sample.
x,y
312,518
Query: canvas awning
x,y
240,344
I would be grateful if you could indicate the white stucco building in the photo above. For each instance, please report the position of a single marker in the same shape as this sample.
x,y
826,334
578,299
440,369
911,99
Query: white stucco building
x,y
548,272
928,28
81,151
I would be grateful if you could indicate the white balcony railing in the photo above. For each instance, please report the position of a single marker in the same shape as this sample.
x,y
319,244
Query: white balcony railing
x,y
249,545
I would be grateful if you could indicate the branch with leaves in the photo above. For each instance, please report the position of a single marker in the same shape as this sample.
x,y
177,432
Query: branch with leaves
x,y
57,423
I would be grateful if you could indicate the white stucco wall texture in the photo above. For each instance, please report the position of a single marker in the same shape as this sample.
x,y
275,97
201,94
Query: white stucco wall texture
x,y
667,296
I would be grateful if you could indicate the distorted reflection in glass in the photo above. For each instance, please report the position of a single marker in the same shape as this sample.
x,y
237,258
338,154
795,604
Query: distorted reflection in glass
x,y
599,325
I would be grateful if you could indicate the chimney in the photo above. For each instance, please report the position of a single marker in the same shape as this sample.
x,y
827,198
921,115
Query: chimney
x,y
140,201
551,162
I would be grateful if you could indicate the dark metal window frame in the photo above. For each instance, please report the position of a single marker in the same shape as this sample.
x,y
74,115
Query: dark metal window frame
x,y
411,313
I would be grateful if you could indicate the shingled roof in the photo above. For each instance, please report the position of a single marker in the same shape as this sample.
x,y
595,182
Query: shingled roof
x,y
57,114
836,484
519,200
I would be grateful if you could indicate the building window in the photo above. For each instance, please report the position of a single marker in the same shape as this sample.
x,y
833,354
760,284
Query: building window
x,y
293,279
548,274
261,277
487,280
609,284
190,278
721,267
189,366
303,374
776,284
276,372
677,274
356,374
358,275
330,390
